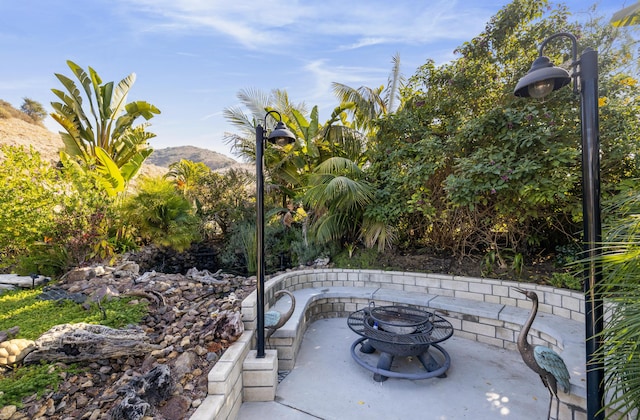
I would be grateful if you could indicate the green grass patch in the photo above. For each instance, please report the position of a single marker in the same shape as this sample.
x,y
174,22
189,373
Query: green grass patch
x,y
28,380
33,316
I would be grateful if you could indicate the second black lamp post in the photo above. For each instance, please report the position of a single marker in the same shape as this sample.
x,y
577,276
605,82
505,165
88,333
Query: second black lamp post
x,y
280,136
542,79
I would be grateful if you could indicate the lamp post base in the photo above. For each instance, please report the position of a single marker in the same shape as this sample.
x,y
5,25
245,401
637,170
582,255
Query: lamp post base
x,y
260,376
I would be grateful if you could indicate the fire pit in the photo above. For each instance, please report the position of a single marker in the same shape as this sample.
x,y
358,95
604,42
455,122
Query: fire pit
x,y
400,331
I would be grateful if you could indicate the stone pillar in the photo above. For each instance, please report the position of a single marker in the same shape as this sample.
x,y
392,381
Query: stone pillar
x,y
260,376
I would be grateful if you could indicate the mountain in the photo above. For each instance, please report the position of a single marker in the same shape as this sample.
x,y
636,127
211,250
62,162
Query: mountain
x,y
214,160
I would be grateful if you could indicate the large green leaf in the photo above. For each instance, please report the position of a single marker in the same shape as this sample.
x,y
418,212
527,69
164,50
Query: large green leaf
x,y
111,178
130,169
86,83
74,99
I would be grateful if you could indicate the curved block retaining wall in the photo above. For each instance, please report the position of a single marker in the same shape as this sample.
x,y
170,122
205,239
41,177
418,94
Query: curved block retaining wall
x,y
485,310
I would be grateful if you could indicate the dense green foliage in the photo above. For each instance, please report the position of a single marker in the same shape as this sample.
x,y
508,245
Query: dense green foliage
x,y
460,164
51,218
465,166
159,214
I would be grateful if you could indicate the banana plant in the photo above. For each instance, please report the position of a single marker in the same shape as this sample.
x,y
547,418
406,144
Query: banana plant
x,y
101,132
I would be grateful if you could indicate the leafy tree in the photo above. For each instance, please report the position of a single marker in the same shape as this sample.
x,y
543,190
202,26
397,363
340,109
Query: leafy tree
x,y
466,166
224,199
33,109
103,135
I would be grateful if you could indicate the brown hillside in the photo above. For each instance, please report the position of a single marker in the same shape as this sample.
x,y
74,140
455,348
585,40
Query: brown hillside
x,y
214,160
16,132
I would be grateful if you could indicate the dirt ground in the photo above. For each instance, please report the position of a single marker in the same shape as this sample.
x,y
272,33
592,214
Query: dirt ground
x,y
471,266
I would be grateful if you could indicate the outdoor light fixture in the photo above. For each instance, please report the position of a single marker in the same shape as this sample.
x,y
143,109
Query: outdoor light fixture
x,y
542,79
280,136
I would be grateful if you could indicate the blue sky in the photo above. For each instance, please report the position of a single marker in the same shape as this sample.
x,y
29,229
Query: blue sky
x,y
192,57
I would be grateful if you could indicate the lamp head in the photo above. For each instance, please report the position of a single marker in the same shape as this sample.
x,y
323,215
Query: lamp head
x,y
542,79
281,135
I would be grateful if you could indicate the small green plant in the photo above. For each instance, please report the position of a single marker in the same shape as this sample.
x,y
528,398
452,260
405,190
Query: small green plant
x,y
565,280
239,253
247,234
47,259
517,265
488,263
350,247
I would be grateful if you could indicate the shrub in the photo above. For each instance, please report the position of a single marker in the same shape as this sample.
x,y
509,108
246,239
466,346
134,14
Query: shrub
x,y
161,215
48,211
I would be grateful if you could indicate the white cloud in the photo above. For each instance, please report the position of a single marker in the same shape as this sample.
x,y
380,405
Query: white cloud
x,y
277,23
364,42
322,74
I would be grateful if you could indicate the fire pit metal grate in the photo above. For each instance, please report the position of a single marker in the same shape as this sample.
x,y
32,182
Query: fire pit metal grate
x,y
400,331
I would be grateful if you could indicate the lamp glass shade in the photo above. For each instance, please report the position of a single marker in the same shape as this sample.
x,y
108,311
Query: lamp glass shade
x,y
545,78
541,89
281,135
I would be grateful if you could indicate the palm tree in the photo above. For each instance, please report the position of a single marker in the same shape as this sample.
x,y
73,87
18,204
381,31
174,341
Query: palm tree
x,y
186,175
621,270
369,104
161,215
366,105
323,169
282,176
338,195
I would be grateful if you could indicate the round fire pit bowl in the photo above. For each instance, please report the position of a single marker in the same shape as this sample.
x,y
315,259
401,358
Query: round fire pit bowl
x,y
397,319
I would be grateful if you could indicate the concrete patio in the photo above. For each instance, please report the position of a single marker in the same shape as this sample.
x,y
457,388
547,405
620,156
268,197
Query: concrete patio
x,y
484,382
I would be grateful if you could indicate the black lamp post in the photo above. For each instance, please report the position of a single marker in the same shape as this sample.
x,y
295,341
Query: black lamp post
x,y
542,79
280,136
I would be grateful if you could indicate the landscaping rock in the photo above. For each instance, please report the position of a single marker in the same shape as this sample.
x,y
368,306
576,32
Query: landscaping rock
x,y
13,351
7,412
192,320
